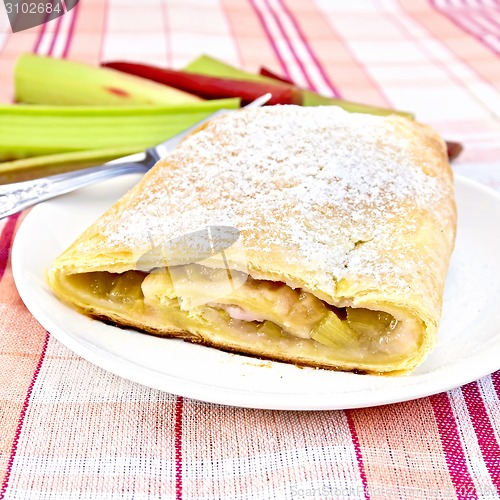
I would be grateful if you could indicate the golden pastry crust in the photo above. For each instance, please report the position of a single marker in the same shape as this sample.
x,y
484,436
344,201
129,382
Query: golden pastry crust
x,y
356,209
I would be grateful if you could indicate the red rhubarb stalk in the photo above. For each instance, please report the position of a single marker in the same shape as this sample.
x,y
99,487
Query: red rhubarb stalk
x,y
210,87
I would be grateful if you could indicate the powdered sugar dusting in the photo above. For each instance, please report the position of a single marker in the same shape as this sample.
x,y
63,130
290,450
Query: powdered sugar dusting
x,y
319,183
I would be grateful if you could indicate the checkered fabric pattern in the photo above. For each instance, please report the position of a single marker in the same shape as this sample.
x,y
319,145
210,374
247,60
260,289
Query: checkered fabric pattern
x,y
70,430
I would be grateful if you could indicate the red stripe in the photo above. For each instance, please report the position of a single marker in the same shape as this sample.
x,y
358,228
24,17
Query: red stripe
x,y
41,33
283,65
179,404
277,19
54,38
302,37
71,31
39,39
6,238
495,378
357,451
20,422
452,446
485,433
286,39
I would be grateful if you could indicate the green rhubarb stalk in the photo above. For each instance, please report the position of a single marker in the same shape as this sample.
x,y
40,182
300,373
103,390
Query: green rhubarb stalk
x,y
46,80
27,131
41,166
213,67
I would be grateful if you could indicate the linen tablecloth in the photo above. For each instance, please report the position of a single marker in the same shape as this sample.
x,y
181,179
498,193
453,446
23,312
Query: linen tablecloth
x,y
70,430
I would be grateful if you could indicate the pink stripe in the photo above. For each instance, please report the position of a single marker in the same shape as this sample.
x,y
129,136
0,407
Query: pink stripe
x,y
104,28
168,34
4,44
42,31
357,451
452,18
56,33
481,4
270,38
179,406
233,37
486,438
71,31
20,422
367,74
470,23
318,64
484,22
452,446
310,83
6,238
457,55
471,14
395,19
39,39
492,20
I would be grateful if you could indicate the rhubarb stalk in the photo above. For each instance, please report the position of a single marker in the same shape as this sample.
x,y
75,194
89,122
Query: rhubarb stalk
x,y
27,131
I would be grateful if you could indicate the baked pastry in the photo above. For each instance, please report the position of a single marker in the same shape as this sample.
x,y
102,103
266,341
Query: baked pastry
x,y
311,236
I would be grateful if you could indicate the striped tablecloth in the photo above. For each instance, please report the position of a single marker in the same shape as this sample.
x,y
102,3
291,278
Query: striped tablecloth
x,y
69,430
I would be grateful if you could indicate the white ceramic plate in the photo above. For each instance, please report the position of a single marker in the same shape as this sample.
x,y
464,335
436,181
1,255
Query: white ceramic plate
x,y
468,346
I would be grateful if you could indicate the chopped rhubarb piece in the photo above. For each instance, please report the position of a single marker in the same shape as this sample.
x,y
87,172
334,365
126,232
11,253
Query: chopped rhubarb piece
x,y
210,87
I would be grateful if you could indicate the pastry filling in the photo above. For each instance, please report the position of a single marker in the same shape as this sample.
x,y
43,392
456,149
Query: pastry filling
x,y
196,298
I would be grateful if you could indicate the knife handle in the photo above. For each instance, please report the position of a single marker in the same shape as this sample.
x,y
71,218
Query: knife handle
x,y
20,195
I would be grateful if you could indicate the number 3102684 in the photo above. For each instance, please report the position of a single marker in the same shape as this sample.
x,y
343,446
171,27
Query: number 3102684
x,y
33,8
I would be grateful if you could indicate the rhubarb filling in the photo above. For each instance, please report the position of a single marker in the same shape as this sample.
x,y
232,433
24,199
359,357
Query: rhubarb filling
x,y
234,306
